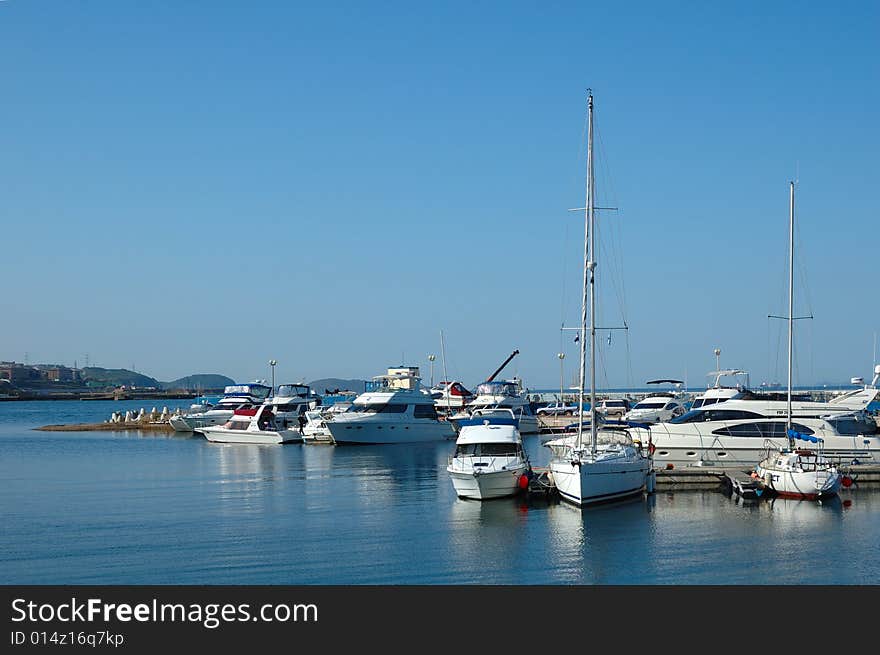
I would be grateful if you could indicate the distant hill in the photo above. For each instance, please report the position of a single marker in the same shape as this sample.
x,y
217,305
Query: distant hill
x,y
200,381
116,377
322,385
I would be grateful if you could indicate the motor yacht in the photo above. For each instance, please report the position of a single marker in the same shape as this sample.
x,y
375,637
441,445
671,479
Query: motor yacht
x,y
733,432
290,401
393,409
450,397
489,460
722,389
659,407
235,396
315,430
255,425
501,395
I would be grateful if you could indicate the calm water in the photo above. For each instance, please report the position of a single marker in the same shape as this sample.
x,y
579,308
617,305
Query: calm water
x,y
120,508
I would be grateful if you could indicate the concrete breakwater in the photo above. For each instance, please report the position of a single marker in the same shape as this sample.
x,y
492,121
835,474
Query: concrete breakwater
x,y
154,420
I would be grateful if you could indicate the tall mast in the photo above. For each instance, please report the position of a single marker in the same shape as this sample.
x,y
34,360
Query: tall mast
x,y
591,190
588,235
790,301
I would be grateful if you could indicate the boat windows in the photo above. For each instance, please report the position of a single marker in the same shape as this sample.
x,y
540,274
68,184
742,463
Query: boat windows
x,y
742,430
701,415
766,430
289,407
379,408
425,411
651,406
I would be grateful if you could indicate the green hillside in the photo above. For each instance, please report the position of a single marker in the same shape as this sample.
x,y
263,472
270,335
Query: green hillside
x,y
116,377
200,382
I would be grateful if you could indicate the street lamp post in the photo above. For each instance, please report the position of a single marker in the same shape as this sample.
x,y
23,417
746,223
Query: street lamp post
x,y
272,363
561,356
431,359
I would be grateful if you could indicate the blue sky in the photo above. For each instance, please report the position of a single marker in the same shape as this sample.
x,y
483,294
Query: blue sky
x,y
199,187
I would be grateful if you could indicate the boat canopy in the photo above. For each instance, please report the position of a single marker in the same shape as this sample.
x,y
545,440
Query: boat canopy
x,y
291,390
493,432
498,388
252,389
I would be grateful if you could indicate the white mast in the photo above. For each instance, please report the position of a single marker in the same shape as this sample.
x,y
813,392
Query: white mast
x,y
790,302
588,288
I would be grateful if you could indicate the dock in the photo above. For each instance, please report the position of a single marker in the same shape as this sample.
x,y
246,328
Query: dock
x,y
695,478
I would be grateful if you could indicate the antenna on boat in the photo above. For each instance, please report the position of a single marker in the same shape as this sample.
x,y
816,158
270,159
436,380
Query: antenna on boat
x,y
443,355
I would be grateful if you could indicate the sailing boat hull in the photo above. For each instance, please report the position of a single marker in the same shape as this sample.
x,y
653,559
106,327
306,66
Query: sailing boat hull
x,y
805,485
589,483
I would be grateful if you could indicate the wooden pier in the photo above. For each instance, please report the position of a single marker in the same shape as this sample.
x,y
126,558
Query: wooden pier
x,y
694,478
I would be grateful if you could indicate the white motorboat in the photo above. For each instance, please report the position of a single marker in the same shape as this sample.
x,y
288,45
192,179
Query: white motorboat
x,y
611,466
734,433
659,407
315,430
235,396
718,392
501,395
489,460
393,409
251,425
450,396
290,401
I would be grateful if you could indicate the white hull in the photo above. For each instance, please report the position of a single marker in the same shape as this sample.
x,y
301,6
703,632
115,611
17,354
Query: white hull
x,y
485,485
727,451
195,422
600,481
317,436
225,435
799,474
803,484
389,432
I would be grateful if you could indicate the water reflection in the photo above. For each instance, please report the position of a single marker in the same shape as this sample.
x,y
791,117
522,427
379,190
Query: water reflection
x,y
398,471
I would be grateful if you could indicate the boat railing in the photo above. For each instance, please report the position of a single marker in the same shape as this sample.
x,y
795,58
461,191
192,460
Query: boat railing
x,y
491,460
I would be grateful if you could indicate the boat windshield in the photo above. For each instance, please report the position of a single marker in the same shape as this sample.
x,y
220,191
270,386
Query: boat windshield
x,y
289,390
649,406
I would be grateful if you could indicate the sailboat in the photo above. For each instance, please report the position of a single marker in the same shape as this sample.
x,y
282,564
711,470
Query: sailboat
x,y
794,472
612,465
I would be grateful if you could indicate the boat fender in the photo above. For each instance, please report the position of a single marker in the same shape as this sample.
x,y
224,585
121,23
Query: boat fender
x,y
846,481
523,481
768,478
